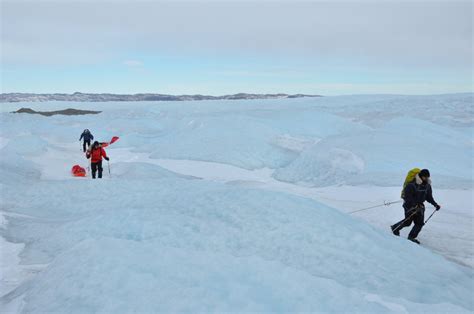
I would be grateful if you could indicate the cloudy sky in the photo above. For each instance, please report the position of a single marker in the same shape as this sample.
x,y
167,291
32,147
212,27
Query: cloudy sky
x,y
183,47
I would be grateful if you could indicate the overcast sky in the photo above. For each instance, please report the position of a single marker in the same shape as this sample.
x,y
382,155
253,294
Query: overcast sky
x,y
316,47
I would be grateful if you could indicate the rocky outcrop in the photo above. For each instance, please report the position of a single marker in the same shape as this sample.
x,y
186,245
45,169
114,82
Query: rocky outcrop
x,y
66,112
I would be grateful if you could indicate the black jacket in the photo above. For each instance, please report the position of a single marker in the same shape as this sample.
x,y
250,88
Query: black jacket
x,y
87,136
416,194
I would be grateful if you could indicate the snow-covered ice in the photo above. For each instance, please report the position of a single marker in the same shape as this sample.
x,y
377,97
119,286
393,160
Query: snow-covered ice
x,y
237,206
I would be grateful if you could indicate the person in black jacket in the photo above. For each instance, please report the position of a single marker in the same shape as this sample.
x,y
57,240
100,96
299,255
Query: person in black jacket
x,y
88,137
415,194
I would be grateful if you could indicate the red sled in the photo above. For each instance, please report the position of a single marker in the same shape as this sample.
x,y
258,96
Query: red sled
x,y
78,171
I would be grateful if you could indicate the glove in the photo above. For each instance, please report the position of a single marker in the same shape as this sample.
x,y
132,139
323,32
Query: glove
x,y
107,158
437,207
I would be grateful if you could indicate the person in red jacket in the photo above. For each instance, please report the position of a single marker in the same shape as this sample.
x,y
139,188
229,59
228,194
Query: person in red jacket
x,y
95,154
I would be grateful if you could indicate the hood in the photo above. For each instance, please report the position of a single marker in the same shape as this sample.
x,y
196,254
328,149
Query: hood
x,y
419,181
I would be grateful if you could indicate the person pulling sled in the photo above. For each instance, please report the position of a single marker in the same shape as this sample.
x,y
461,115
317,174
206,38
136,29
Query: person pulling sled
x,y
416,190
88,137
96,153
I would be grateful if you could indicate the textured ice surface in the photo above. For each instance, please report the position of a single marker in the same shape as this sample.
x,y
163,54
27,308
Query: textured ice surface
x,y
150,239
213,246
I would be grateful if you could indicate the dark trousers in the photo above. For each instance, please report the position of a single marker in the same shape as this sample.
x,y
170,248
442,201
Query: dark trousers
x,y
88,142
416,215
96,166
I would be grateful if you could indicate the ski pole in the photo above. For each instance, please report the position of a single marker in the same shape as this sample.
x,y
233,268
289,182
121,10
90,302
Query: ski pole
x,y
89,166
108,165
430,216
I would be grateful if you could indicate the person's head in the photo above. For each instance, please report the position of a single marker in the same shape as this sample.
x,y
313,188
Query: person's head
x,y
87,131
95,145
424,175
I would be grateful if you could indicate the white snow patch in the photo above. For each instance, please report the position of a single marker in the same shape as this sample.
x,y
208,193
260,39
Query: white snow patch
x,y
214,171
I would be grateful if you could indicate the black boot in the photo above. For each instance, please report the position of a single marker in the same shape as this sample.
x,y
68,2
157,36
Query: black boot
x,y
414,240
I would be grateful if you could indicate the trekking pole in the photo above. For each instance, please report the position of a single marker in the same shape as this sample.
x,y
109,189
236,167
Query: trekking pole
x,y
89,166
404,220
430,216
108,165
384,204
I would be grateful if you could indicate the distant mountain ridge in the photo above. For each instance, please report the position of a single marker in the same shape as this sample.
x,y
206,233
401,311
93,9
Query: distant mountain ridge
x,y
90,97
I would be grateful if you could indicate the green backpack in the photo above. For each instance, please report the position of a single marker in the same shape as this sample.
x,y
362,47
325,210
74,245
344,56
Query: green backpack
x,y
410,177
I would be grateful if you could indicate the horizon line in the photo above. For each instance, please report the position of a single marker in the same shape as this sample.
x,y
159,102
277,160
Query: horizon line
x,y
231,94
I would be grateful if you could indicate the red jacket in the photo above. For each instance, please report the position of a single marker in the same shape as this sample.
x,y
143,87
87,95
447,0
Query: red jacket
x,y
96,154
